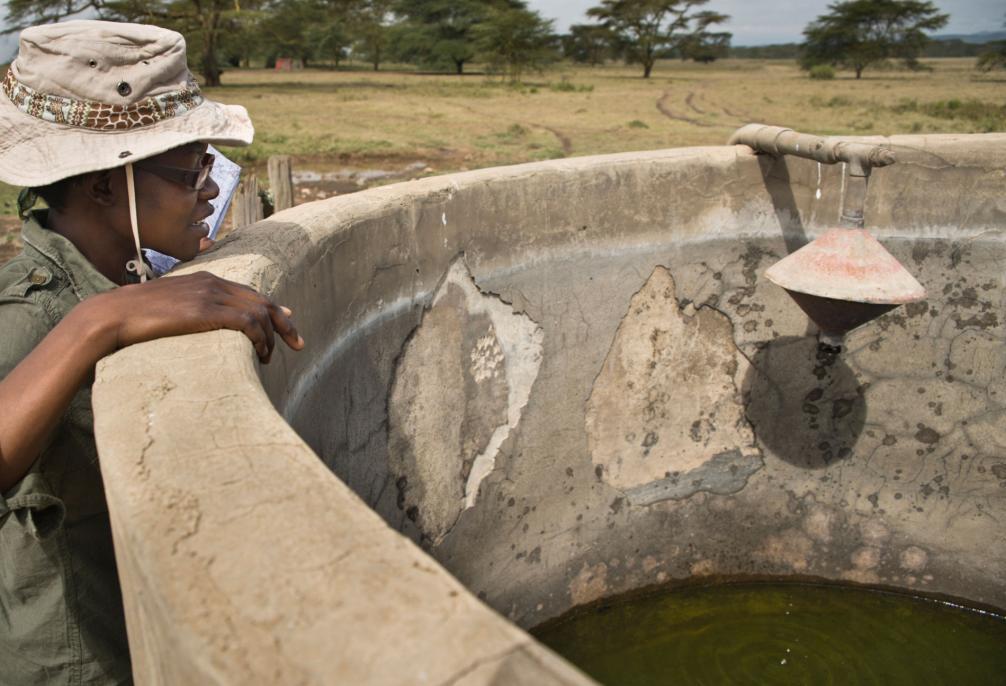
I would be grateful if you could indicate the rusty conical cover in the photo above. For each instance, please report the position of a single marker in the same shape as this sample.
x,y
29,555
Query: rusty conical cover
x,y
845,278
847,264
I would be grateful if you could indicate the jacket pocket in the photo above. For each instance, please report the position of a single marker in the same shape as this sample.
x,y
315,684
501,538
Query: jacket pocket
x,y
34,506
39,639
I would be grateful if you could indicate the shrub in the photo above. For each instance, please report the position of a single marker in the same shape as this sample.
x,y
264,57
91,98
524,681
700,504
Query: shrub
x,y
636,124
983,116
567,86
822,72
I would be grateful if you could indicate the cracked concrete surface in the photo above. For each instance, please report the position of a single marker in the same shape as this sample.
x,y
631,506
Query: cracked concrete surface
x,y
666,404
459,389
245,557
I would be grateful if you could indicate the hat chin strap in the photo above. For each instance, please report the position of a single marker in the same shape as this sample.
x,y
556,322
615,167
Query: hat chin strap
x,y
138,266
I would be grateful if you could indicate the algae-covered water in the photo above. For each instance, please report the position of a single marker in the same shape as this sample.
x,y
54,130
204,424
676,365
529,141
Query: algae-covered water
x,y
762,633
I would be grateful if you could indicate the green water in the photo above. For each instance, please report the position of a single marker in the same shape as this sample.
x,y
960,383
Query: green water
x,y
764,634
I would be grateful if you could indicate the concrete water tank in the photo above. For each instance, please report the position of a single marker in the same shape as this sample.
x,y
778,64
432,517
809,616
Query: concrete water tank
x,y
532,387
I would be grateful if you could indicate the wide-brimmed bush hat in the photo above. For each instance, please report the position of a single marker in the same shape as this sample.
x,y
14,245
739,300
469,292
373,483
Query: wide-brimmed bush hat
x,y
83,96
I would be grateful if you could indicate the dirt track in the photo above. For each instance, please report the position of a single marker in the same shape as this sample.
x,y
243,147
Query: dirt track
x,y
663,104
564,140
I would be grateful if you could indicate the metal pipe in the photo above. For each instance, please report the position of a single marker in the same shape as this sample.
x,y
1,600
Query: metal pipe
x,y
861,158
777,140
854,203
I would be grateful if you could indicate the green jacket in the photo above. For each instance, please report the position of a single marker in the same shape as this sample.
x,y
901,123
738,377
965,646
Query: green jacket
x,y
61,618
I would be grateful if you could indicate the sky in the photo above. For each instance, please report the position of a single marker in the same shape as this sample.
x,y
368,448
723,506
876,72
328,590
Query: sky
x,y
760,22
753,22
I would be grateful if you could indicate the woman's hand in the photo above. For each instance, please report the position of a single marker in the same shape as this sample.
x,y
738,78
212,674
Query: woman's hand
x,y
192,304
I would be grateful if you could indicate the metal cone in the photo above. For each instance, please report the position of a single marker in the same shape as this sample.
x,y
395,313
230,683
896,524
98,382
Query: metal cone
x,y
845,278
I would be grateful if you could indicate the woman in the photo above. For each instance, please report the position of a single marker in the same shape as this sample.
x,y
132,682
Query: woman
x,y
106,124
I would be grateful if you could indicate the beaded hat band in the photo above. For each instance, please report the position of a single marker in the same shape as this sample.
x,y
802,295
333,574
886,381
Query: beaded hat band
x,y
87,114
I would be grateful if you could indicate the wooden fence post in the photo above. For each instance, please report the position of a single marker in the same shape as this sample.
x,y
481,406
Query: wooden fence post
x,y
246,207
281,182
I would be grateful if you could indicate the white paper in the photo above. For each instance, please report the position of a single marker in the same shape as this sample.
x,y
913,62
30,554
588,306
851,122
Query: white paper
x,y
227,174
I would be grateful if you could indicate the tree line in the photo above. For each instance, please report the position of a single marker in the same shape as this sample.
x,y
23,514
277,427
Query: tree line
x,y
939,47
504,35
442,35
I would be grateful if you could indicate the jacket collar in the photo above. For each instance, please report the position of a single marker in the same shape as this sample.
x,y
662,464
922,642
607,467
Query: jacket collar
x,y
64,257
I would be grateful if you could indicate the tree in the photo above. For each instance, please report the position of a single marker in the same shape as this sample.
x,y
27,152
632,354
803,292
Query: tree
x,y
370,23
514,40
858,33
244,41
284,29
307,29
648,29
705,47
993,57
591,44
331,40
203,22
440,34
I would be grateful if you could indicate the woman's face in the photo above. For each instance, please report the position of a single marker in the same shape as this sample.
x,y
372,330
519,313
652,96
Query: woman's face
x,y
170,214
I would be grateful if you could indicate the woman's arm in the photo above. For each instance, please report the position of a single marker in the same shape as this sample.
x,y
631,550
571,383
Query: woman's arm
x,y
36,393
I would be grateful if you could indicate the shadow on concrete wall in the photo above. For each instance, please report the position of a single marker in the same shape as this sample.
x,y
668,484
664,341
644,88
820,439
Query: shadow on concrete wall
x,y
806,405
780,188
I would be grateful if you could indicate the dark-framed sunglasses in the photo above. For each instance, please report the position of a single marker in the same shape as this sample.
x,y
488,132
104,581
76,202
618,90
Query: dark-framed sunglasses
x,y
190,178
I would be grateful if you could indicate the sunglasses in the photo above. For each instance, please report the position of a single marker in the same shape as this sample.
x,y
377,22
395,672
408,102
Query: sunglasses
x,y
194,179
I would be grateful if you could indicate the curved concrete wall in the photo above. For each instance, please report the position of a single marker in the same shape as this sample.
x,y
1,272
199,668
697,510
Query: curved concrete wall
x,y
563,381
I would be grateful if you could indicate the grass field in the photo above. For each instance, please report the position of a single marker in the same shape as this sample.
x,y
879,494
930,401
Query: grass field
x,y
388,119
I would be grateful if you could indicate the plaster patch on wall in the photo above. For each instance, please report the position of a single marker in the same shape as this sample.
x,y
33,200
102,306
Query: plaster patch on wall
x,y
461,385
664,419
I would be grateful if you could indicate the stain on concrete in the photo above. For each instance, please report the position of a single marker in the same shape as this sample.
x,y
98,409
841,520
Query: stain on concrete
x,y
873,532
926,435
590,584
703,568
865,561
790,549
649,564
818,524
460,387
723,474
664,419
913,559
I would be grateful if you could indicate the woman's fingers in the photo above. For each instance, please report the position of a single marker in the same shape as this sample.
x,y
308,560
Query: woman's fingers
x,y
264,320
282,321
272,318
250,326
280,316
